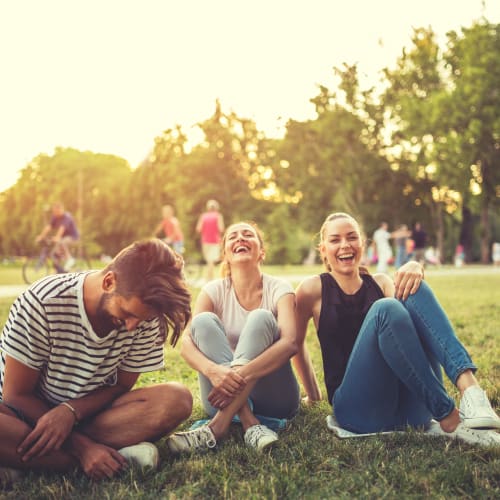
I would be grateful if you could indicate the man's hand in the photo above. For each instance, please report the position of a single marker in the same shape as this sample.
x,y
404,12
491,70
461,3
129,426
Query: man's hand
x,y
49,434
99,461
407,279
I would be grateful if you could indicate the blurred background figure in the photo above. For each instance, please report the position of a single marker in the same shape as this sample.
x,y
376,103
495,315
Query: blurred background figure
x,y
401,235
432,256
210,226
381,239
65,235
419,237
495,253
170,229
459,255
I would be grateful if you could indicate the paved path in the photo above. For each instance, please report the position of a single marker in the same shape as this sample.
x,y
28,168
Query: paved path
x,y
11,290
476,270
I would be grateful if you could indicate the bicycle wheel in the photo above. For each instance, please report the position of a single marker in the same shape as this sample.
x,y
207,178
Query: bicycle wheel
x,y
80,262
35,268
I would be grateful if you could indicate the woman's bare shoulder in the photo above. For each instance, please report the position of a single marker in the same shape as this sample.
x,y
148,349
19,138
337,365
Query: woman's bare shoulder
x,y
310,286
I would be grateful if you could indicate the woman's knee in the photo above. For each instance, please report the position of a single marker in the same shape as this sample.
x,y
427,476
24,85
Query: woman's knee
x,y
423,293
204,325
387,306
389,311
263,321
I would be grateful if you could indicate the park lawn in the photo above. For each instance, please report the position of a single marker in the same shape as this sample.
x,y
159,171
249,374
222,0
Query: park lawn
x,y
308,461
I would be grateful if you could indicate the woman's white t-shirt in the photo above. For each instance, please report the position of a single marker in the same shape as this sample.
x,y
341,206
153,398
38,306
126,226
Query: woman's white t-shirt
x,y
230,311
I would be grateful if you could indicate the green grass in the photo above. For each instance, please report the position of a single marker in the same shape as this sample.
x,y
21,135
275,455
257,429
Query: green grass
x,y
308,461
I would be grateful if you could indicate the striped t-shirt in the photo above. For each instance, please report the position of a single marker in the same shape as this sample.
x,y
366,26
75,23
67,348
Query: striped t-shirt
x,y
48,330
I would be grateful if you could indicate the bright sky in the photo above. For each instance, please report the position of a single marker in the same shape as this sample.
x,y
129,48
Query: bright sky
x,y
110,75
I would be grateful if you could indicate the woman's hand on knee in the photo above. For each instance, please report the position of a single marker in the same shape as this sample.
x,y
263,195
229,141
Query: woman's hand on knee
x,y
226,381
407,279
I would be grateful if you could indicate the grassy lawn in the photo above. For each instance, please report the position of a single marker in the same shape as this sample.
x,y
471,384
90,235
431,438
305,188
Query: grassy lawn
x,y
308,461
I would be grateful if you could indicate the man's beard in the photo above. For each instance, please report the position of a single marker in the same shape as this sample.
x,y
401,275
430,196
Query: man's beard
x,y
105,322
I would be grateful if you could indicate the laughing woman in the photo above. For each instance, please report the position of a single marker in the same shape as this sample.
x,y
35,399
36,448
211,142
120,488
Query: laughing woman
x,y
240,341
383,343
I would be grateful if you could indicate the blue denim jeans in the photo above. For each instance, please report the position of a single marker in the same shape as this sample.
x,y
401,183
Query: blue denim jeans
x,y
393,378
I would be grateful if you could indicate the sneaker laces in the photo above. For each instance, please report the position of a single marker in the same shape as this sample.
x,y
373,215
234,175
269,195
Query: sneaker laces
x,y
256,432
201,437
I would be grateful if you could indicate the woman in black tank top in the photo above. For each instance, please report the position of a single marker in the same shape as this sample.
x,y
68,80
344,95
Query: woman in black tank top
x,y
383,344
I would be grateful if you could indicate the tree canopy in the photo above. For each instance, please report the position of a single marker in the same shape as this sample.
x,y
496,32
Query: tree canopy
x,y
424,145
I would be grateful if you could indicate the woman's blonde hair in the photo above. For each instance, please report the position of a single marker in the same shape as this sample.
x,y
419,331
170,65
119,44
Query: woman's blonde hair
x,y
334,216
225,267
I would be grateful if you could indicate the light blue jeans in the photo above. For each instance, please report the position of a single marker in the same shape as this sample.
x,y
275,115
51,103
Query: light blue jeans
x,y
393,378
274,395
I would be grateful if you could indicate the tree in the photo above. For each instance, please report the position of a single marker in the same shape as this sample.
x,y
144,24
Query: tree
x,y
414,87
91,186
472,119
443,111
335,162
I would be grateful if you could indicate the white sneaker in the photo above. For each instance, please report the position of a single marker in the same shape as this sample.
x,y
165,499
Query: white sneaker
x,y
8,476
142,454
476,411
260,437
472,436
199,439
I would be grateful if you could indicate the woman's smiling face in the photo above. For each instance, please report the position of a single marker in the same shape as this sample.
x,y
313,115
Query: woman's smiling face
x,y
341,244
242,242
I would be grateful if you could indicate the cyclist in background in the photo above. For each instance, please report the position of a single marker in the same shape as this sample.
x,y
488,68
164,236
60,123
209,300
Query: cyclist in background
x,y
66,235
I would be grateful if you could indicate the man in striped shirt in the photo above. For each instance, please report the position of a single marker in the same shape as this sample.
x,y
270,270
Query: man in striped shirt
x,y
71,351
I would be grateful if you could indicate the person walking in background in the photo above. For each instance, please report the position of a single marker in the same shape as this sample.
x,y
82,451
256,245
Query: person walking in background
x,y
381,238
495,253
171,230
72,349
240,341
383,344
419,237
401,235
210,226
66,235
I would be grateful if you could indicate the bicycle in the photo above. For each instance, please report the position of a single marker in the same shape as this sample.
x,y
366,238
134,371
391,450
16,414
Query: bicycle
x,y
48,261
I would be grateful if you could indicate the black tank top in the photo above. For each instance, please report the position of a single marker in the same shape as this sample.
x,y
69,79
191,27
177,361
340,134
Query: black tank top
x,y
340,320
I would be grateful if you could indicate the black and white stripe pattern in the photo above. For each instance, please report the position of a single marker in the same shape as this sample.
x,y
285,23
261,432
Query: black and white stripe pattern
x,y
48,330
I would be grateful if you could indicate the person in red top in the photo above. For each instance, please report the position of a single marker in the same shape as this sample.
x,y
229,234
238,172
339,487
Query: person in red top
x,y
170,227
210,225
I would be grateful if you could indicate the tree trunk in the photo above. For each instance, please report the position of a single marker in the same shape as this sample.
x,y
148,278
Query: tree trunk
x,y
440,232
485,234
466,233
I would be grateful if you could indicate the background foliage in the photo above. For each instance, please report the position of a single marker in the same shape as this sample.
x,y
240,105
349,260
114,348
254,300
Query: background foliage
x,y
424,145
